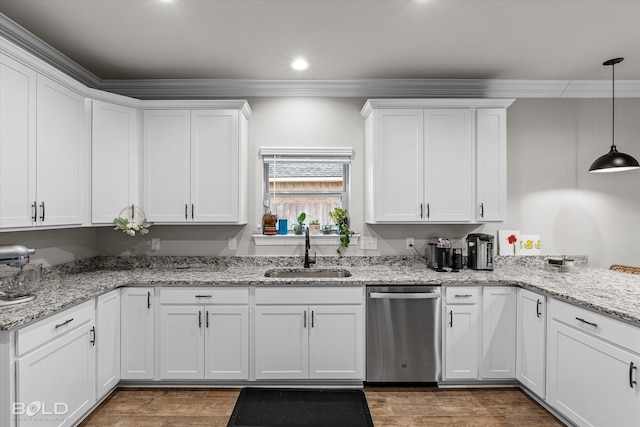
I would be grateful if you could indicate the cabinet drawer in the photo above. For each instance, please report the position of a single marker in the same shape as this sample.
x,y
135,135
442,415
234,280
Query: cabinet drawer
x,y
204,296
604,327
309,295
45,330
462,294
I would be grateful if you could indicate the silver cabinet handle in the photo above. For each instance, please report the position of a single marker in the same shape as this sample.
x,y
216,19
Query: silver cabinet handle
x,y
631,369
404,295
595,325
66,322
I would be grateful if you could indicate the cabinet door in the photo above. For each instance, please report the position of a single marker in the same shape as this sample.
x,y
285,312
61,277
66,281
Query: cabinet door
x,y
167,165
215,166
448,165
499,332
491,164
17,144
336,342
398,153
461,342
56,383
281,342
590,381
531,341
114,160
181,342
107,342
137,333
227,343
60,154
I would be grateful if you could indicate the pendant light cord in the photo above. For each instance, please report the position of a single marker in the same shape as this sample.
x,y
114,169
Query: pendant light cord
x,y
613,106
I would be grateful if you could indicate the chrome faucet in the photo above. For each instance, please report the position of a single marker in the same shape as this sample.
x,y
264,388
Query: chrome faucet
x,y
307,246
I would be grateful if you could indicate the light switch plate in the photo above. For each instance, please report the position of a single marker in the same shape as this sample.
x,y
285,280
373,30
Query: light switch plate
x,y
232,243
155,243
369,243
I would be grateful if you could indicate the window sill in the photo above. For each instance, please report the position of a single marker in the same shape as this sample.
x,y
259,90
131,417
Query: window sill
x,y
298,240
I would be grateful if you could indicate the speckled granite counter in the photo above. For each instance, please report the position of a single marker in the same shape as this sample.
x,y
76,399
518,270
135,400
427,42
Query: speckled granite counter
x,y
611,293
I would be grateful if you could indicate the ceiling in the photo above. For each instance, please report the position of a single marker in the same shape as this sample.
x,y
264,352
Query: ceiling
x,y
341,39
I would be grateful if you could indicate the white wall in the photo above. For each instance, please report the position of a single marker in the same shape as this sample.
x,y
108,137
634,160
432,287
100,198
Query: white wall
x,y
551,145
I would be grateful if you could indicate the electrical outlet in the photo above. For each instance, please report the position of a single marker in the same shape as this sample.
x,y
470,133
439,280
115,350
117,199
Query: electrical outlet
x,y
155,243
233,245
409,243
369,243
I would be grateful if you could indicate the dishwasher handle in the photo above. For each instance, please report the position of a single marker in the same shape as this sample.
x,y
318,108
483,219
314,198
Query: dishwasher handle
x,y
404,295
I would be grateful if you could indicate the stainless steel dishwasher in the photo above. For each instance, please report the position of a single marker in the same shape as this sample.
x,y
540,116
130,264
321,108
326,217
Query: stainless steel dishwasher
x,y
403,334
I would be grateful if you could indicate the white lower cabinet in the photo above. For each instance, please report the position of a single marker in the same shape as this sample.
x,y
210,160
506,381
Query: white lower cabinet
x,y
207,339
107,342
531,348
592,376
461,342
498,332
55,375
296,341
479,332
137,333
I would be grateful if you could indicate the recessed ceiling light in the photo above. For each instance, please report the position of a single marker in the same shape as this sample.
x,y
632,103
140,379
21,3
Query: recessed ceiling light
x,y
300,64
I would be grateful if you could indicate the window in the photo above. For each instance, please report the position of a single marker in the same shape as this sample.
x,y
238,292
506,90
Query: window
x,y
310,180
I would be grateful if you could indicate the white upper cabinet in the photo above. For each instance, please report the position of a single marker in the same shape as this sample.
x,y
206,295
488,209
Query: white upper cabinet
x,y
395,149
114,160
167,165
60,154
435,160
195,165
448,165
42,150
17,143
491,164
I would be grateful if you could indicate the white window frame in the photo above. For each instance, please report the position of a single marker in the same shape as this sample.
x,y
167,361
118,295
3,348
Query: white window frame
x,y
303,154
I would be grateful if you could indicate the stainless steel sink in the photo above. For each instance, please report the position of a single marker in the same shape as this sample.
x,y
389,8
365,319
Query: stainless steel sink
x,y
307,273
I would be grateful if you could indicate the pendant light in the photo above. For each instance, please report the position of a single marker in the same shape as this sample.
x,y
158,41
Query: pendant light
x,y
614,161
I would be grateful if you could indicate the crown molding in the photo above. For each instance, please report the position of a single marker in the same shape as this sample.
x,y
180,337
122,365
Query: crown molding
x,y
194,89
22,38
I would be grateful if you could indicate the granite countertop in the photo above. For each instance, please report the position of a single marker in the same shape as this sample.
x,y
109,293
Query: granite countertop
x,y
611,293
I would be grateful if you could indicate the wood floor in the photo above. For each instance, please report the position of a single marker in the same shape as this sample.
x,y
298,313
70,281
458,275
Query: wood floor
x,y
402,407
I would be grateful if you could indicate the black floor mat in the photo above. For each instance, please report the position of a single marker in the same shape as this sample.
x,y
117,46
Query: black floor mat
x,y
275,407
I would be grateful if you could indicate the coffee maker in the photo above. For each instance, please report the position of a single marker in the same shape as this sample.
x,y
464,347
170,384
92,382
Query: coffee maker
x,y
439,255
480,251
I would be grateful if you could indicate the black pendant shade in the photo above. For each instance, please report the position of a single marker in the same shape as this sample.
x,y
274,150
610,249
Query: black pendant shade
x,y
614,161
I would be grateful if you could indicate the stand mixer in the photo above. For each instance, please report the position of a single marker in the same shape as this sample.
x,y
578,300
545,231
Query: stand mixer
x,y
18,278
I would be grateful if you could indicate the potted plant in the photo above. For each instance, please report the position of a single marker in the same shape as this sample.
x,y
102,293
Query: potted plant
x,y
299,227
341,218
314,226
